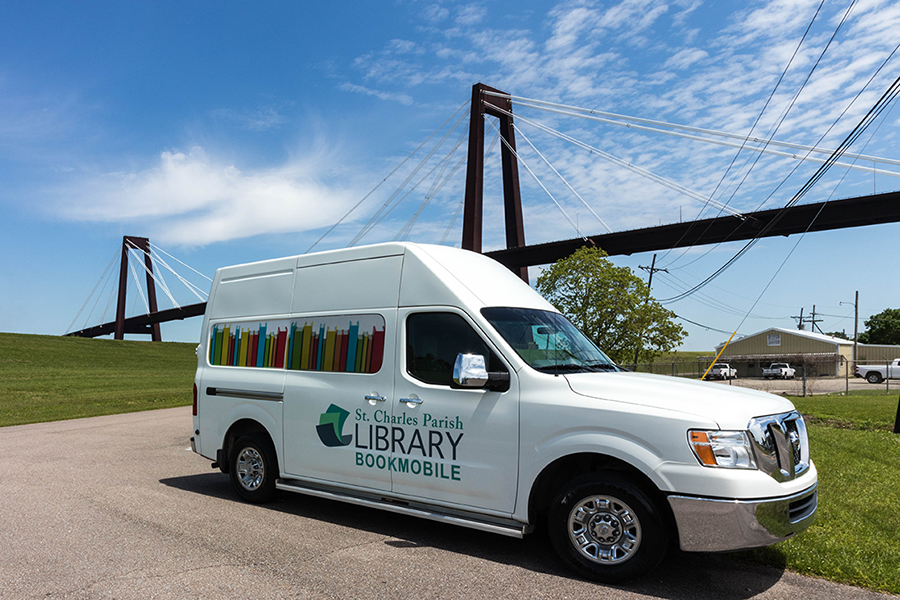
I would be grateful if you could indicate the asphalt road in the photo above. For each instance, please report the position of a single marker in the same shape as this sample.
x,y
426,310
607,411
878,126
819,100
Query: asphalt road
x,y
119,507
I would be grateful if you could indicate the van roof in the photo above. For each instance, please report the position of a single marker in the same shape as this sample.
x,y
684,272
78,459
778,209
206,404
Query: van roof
x,y
393,274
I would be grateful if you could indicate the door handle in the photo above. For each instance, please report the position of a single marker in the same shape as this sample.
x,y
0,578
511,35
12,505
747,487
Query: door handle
x,y
374,397
412,401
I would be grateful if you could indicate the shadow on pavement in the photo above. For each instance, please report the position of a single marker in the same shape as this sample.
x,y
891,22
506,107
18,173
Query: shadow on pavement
x,y
681,576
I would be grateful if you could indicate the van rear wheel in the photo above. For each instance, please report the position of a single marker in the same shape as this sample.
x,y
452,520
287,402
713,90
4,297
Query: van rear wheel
x,y
607,529
254,469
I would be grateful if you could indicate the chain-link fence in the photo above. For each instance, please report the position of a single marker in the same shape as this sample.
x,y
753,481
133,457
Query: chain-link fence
x,y
817,375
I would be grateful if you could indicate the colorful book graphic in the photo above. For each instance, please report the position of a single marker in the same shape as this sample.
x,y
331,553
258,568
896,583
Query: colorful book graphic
x,y
336,344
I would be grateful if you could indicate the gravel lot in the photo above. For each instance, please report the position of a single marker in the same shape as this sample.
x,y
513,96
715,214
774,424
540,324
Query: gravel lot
x,y
814,385
119,507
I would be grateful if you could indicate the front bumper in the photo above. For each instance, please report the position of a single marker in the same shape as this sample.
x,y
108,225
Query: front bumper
x,y
716,525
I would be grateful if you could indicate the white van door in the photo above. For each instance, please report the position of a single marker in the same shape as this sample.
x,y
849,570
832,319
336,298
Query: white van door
x,y
455,446
337,399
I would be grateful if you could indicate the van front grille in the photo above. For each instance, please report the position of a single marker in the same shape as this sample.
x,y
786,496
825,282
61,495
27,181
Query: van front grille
x,y
781,445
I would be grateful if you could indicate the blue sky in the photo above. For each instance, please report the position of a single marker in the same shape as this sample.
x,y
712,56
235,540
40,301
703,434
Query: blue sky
x,y
233,132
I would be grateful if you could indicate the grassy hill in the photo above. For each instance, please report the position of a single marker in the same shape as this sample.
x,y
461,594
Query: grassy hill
x,y
49,378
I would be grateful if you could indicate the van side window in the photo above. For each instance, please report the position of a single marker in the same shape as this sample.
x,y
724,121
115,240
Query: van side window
x,y
434,339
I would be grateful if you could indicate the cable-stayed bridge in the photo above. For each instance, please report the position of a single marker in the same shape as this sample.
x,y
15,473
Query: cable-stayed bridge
x,y
729,225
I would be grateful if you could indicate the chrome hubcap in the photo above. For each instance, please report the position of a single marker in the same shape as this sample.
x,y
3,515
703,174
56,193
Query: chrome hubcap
x,y
604,529
250,469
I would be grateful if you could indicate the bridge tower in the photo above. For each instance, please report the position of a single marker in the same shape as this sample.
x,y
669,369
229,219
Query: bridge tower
x,y
130,242
486,101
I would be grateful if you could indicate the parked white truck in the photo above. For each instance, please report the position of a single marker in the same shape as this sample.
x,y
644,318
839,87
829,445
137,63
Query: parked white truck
x,y
878,373
432,382
779,371
722,371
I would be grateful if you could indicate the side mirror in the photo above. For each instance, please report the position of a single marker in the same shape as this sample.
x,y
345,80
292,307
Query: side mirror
x,y
469,372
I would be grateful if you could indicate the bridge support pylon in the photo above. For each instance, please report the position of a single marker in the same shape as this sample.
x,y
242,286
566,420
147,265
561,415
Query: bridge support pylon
x,y
143,244
497,106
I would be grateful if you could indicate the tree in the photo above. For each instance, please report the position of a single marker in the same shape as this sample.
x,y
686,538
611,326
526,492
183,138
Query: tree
x,y
883,328
611,305
838,334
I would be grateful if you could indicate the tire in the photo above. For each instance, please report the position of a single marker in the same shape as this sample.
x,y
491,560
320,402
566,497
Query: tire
x,y
253,469
607,529
874,377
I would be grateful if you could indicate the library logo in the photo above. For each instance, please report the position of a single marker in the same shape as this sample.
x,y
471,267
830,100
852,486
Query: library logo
x,y
331,425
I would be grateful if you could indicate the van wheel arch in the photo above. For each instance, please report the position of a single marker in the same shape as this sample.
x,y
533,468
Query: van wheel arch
x,y
563,471
238,430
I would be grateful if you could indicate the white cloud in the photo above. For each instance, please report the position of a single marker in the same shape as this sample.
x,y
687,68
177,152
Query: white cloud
x,y
435,13
393,96
685,58
471,14
191,199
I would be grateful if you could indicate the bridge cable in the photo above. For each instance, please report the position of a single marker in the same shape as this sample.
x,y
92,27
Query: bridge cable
x,y
524,164
760,149
568,185
378,185
378,216
775,127
91,295
138,285
623,121
158,249
437,185
373,222
874,112
155,276
462,201
194,289
632,167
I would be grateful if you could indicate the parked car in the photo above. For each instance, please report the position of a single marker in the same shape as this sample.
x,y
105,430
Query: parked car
x,y
722,371
779,371
878,373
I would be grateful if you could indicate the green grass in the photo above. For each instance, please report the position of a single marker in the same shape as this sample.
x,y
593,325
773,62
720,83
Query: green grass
x,y
683,356
47,378
860,410
855,537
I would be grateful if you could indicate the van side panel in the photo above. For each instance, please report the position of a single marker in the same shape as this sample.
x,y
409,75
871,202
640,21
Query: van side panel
x,y
251,290
348,286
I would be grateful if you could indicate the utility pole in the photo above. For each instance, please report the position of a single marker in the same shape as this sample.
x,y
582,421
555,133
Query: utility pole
x,y
856,329
855,325
814,320
811,320
651,269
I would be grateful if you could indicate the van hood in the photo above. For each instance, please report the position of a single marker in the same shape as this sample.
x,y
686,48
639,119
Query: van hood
x,y
731,407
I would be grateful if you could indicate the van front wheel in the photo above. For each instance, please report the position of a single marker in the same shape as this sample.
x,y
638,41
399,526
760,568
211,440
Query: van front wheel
x,y
254,469
607,529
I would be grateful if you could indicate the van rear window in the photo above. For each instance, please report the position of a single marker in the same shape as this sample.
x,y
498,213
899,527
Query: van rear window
x,y
350,344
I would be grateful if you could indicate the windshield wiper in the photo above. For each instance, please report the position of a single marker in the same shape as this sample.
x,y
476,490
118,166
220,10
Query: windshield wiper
x,y
603,366
573,368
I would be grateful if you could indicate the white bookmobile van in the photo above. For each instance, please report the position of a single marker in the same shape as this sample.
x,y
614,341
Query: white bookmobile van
x,y
431,381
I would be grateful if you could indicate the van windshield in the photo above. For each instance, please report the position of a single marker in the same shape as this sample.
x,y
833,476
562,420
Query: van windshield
x,y
547,341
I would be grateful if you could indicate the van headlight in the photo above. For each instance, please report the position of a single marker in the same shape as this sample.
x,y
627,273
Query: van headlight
x,y
726,449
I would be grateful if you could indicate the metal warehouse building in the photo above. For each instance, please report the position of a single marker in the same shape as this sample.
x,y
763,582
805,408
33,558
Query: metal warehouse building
x,y
821,354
